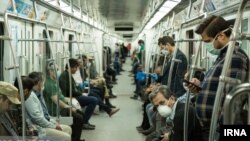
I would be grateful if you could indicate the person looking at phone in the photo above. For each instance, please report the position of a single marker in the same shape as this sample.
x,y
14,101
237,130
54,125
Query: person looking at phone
x,y
200,76
169,107
216,31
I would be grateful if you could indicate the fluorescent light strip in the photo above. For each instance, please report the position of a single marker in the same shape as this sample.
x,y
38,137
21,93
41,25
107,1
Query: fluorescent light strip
x,y
164,10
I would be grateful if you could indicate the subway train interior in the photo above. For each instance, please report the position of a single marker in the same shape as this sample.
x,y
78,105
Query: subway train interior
x,y
124,70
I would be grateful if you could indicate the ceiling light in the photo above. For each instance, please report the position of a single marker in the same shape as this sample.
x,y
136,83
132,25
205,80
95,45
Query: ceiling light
x,y
163,11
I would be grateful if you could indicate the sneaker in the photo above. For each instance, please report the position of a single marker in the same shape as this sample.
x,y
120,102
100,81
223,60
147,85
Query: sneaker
x,y
113,112
87,127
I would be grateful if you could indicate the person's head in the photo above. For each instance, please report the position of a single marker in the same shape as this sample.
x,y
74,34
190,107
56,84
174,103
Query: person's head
x,y
141,42
28,85
73,65
38,80
163,99
215,30
167,43
85,60
8,96
52,71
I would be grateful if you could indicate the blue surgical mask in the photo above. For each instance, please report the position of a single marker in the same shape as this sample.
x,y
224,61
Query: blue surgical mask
x,y
211,49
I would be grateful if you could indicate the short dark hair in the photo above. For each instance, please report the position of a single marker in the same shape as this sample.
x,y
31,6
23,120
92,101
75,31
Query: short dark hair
x,y
167,39
140,42
73,63
212,26
26,81
159,41
36,77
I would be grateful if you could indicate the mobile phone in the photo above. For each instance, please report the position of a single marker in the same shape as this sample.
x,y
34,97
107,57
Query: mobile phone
x,y
188,82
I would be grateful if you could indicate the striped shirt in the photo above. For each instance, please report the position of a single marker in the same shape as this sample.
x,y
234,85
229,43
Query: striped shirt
x,y
239,69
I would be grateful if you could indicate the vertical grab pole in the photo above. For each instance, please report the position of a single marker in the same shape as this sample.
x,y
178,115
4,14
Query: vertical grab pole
x,y
201,12
188,93
70,80
19,80
228,59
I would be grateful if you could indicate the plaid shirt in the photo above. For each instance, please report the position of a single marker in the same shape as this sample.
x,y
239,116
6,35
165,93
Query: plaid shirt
x,y
239,69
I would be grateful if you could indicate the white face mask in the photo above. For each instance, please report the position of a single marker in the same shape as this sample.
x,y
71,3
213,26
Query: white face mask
x,y
165,52
185,86
164,110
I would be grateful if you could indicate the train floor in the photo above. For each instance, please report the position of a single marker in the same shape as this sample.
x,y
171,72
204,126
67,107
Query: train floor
x,y
122,125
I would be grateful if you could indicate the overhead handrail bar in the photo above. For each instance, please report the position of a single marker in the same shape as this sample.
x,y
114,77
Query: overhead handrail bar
x,y
228,59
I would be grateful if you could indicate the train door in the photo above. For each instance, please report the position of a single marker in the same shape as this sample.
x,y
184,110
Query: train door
x,y
1,52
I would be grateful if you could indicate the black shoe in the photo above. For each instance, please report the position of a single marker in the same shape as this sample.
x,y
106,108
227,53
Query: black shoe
x,y
112,96
110,105
139,128
91,125
134,97
87,127
148,131
113,112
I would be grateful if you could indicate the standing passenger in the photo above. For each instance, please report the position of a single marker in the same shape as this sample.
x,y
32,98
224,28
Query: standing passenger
x,y
216,30
179,69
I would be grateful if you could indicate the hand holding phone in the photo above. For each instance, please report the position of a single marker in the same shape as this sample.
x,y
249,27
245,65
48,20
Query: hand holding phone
x,y
188,83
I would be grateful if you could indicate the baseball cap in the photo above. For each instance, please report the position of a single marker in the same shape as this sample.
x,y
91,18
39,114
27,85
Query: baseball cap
x,y
10,91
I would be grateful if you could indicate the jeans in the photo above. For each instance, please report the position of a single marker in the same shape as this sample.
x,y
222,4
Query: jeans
x,y
106,108
90,102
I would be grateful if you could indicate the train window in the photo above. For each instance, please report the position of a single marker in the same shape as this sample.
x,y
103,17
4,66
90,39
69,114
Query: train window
x,y
47,49
1,51
244,29
71,45
190,35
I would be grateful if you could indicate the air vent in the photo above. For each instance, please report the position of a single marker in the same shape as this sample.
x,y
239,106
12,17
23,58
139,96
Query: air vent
x,y
127,35
124,29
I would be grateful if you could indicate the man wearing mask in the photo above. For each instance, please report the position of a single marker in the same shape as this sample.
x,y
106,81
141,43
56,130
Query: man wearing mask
x,y
216,30
179,69
8,96
169,107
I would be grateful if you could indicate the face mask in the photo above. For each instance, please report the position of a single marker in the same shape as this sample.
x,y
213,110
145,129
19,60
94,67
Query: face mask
x,y
185,86
165,52
211,49
164,110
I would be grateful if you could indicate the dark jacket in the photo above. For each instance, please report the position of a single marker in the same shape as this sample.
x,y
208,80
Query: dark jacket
x,y
178,122
64,85
179,71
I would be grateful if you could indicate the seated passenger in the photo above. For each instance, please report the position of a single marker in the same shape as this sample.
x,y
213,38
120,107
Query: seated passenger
x,y
140,82
51,96
8,96
88,101
35,112
169,107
